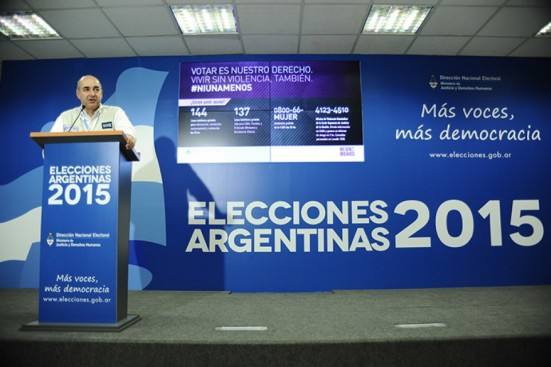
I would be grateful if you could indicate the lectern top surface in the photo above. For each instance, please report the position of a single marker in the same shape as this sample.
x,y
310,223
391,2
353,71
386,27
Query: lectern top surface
x,y
42,138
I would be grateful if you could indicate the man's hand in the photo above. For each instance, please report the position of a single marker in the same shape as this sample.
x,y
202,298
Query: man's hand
x,y
130,142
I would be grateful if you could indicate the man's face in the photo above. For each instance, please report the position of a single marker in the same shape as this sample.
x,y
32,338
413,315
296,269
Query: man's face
x,y
89,93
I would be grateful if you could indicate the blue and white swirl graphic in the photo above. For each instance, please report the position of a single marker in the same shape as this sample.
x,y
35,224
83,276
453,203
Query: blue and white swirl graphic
x,y
137,92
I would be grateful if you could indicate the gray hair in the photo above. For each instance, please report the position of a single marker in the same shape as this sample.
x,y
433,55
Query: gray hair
x,y
87,76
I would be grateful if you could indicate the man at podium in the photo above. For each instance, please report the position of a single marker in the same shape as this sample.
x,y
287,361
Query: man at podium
x,y
92,115
83,279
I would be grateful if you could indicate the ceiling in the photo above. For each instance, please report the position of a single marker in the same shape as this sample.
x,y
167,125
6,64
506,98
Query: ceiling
x,y
120,28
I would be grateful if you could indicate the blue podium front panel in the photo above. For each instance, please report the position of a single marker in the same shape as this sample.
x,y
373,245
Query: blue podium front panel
x,y
78,253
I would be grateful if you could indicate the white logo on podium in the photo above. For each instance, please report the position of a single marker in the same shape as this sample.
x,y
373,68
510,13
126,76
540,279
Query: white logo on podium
x,y
50,240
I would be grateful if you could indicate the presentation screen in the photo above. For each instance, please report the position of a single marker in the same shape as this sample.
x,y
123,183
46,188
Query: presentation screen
x,y
270,111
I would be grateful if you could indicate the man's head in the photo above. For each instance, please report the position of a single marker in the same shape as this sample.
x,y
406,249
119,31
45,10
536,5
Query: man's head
x,y
89,92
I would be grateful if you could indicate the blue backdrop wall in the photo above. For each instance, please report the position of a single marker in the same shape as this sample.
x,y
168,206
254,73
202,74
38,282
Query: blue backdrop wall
x,y
454,189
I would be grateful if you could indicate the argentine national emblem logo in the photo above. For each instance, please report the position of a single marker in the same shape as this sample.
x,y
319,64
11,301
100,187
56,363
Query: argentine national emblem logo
x,y
50,239
433,82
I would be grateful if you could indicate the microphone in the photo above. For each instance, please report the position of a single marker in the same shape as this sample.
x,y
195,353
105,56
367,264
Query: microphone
x,y
73,124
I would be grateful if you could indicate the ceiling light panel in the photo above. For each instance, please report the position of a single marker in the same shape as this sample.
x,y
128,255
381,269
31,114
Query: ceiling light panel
x,y
545,31
26,26
395,19
205,19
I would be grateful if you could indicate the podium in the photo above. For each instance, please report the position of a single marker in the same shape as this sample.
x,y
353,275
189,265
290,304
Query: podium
x,y
83,282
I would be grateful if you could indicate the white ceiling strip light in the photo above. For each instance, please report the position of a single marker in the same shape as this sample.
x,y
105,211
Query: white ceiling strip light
x,y
26,26
205,19
395,19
